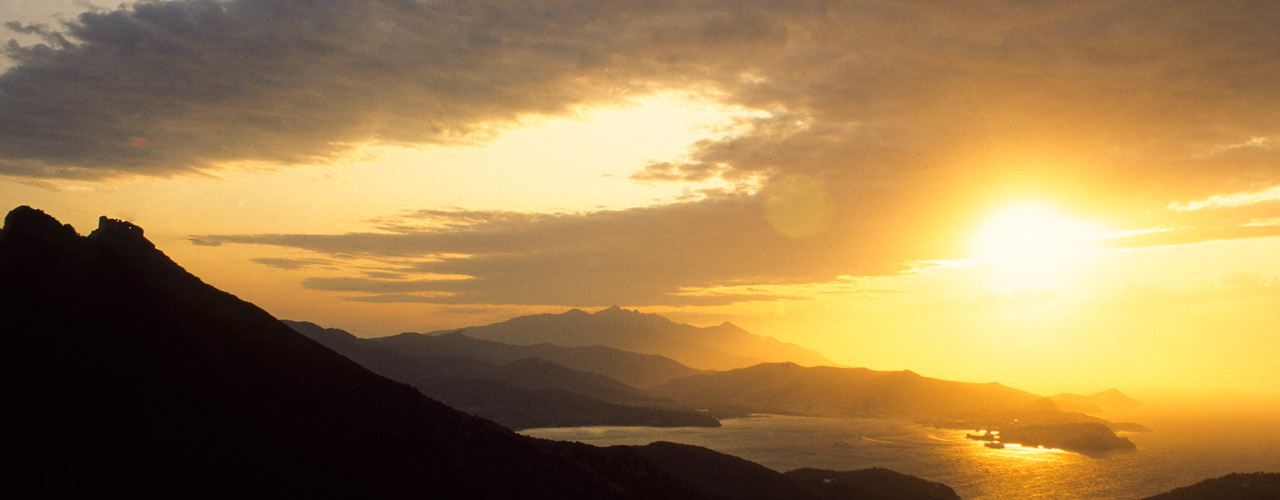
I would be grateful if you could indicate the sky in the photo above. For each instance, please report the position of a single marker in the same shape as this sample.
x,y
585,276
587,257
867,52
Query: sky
x,y
1059,196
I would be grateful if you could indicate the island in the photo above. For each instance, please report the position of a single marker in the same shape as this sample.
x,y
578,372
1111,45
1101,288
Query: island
x,y
1081,437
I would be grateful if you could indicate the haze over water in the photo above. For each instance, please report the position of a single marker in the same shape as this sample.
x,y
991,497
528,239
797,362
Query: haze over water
x,y
1183,450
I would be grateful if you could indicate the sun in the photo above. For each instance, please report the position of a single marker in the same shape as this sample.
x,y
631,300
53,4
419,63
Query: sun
x,y
1033,244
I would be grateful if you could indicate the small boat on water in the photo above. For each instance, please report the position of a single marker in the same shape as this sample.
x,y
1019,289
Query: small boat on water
x,y
987,435
996,445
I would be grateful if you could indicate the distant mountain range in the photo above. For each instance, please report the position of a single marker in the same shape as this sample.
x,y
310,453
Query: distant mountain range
x,y
512,386
721,347
494,380
787,388
634,369
131,376
501,382
1110,399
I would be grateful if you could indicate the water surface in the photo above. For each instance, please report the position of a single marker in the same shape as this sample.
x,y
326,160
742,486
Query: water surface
x,y
1175,456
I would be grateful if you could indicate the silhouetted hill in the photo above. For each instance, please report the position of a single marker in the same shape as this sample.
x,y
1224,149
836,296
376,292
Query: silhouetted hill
x,y
635,369
1114,399
1109,399
785,388
136,376
719,475
716,348
1076,402
131,376
521,408
411,365
521,394
1255,486
877,483
329,337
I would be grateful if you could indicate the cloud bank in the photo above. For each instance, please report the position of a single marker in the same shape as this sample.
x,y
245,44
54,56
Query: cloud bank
x,y
160,88
880,123
641,257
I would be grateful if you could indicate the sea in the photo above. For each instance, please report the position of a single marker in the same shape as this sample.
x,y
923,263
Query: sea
x,y
1179,452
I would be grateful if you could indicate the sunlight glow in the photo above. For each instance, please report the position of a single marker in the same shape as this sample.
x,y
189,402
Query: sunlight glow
x,y
1030,244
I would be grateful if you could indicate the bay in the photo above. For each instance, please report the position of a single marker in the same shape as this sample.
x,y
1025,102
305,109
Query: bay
x,y
1179,453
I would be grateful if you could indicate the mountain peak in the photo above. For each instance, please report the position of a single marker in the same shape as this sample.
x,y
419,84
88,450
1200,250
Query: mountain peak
x,y
730,326
121,233
31,222
725,346
616,311
1113,398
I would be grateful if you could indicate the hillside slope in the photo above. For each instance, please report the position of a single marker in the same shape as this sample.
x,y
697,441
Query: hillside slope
x,y
721,347
790,389
631,368
521,394
1255,486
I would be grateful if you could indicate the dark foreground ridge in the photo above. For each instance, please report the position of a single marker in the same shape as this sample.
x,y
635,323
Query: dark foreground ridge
x,y
1255,486
128,374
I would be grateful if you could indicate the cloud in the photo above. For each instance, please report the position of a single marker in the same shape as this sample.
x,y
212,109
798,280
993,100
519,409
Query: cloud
x,y
159,88
204,242
1196,234
683,172
901,117
50,37
1229,200
290,264
1224,216
639,257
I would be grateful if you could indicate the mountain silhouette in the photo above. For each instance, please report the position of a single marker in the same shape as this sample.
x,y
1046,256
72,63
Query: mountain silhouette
x,y
1110,399
634,369
1254,486
129,375
136,376
721,347
877,483
524,393
790,389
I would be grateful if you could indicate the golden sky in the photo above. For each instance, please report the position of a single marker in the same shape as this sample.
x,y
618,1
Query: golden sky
x,y
1060,196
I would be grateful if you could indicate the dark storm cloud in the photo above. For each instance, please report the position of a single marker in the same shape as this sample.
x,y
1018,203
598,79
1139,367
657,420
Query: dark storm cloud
x,y
50,37
1139,88
165,87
